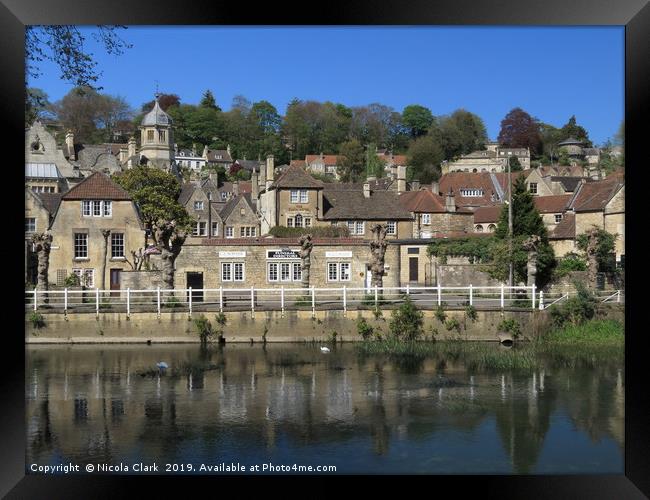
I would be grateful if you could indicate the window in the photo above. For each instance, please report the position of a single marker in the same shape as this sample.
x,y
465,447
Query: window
x,y
332,271
198,205
426,218
294,196
149,135
391,227
285,271
232,271
230,232
117,245
200,229
558,218
491,228
303,196
108,208
97,208
289,221
479,228
224,195
533,187
351,227
61,275
161,136
89,278
30,224
272,274
471,193
81,246
360,227
247,231
338,271
298,220
215,229
85,208
297,271
307,221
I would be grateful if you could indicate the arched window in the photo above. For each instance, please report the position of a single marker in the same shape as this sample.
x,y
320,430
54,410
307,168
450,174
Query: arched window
x,y
479,228
161,136
474,170
491,228
298,220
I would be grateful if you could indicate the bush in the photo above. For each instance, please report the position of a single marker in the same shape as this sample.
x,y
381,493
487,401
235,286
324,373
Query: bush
x,y
452,324
441,315
72,280
364,329
569,263
575,310
406,322
203,328
323,232
37,320
510,326
470,312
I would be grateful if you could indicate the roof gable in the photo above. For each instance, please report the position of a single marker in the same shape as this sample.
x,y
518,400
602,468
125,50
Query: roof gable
x,y
296,177
97,186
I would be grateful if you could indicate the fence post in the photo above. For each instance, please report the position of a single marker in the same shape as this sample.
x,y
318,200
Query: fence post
x,y
376,297
128,302
471,295
541,300
35,296
97,302
282,300
533,296
158,300
502,296
618,296
439,295
221,299
65,300
252,302
190,300
313,302
345,300
408,290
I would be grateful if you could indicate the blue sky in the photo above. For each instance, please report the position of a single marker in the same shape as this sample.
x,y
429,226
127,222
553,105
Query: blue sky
x,y
551,72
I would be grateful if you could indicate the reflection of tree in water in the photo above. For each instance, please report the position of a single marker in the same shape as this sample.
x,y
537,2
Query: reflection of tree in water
x,y
522,423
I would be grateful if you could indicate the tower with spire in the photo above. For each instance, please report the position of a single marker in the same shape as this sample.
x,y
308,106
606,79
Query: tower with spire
x,y
156,137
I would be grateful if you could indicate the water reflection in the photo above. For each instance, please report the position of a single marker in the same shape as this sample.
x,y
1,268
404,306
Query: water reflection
x,y
292,403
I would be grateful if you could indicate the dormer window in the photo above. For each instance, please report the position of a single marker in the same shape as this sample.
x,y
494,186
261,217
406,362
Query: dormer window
x,y
198,205
471,193
96,208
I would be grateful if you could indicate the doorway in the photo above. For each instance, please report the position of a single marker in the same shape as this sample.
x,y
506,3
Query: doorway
x,y
116,279
368,278
195,282
413,269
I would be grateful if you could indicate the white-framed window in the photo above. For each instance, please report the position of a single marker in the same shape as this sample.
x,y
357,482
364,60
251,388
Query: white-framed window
x,y
295,196
289,221
339,271
200,229
232,271
332,271
108,208
391,227
471,193
30,224
88,278
426,218
533,188
297,271
307,221
361,227
224,195
285,271
558,218
198,205
97,208
117,245
85,208
298,220
479,228
248,231
81,245
351,226
304,196
230,232
272,271
149,135
215,229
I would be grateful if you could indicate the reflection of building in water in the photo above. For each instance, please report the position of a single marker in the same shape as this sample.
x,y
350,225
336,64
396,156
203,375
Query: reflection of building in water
x,y
90,400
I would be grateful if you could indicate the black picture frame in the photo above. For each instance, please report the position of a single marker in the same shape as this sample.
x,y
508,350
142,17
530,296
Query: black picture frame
x,y
633,14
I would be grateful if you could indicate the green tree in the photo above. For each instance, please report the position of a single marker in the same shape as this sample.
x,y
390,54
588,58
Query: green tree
x,y
459,133
374,165
167,222
424,156
526,221
352,162
605,247
407,322
208,101
572,129
515,164
37,104
417,119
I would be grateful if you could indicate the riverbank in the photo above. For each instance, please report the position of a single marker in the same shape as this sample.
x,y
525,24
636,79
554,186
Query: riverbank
x,y
273,326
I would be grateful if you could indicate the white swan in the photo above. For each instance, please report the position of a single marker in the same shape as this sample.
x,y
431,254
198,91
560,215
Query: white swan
x,y
162,365
325,349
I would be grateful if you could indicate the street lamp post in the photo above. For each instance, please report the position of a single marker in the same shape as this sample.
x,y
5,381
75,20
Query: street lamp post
x,y
510,271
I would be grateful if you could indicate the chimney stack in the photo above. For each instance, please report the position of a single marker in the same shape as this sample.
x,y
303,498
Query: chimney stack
x,y
205,152
435,187
214,178
228,151
450,202
270,170
255,187
132,150
401,179
415,185
124,154
366,190
69,142
235,188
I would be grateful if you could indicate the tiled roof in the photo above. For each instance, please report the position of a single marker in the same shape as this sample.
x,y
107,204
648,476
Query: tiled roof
x,y
594,195
569,184
456,181
331,160
97,186
297,163
484,215
213,154
187,189
552,204
296,177
395,160
250,164
566,229
479,154
233,202
423,201
353,205
561,171
156,116
50,201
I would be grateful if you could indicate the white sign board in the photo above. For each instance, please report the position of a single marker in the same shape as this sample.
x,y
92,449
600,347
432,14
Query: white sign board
x,y
339,254
232,255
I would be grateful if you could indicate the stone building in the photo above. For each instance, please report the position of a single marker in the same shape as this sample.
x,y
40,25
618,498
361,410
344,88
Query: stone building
x,y
197,198
40,209
492,159
433,214
240,218
323,164
157,138
487,218
563,238
552,209
94,205
473,190
275,263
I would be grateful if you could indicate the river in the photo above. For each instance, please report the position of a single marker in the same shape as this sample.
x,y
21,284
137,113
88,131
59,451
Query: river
x,y
286,404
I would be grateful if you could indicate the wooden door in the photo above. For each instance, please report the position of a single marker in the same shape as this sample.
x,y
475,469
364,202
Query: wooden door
x,y
115,282
413,269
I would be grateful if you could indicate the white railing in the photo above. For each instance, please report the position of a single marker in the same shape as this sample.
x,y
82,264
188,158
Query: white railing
x,y
546,300
279,299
